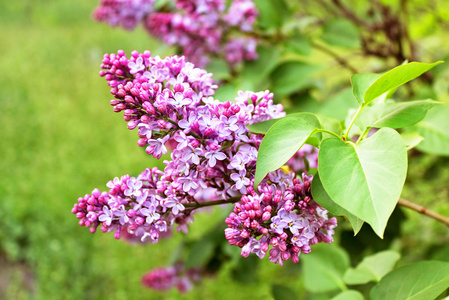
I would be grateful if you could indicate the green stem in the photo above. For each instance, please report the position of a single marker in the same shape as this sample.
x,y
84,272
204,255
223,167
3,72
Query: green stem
x,y
362,136
352,122
327,131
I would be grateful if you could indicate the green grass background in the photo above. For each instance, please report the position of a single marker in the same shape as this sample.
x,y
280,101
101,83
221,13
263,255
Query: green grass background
x,y
59,139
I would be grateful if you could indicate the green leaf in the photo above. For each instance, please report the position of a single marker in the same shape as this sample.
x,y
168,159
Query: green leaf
x,y
422,280
292,76
263,127
435,131
411,139
226,92
341,32
283,139
338,104
255,72
330,124
372,268
324,268
218,67
395,115
280,292
361,83
365,179
322,198
272,13
299,44
395,78
349,295
200,253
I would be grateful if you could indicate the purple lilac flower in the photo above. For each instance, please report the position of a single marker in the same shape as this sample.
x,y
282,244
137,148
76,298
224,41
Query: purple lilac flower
x,y
283,216
199,28
216,154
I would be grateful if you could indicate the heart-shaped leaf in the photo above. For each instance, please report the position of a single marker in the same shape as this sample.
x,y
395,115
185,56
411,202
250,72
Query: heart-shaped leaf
x,y
419,281
365,179
283,139
322,198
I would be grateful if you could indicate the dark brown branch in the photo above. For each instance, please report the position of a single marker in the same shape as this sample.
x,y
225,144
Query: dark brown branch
x,y
212,203
424,211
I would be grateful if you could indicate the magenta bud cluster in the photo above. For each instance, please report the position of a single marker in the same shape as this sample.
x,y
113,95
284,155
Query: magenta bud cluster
x,y
175,276
282,220
200,28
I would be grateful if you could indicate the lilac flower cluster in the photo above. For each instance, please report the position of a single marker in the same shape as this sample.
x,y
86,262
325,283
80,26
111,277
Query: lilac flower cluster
x,y
200,28
163,279
282,215
124,13
213,161
169,101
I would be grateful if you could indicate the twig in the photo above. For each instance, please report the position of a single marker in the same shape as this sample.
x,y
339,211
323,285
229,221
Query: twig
x,y
424,211
212,203
338,58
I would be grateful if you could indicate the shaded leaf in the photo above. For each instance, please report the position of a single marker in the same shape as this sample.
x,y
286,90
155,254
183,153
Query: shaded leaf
x,y
283,139
272,13
372,268
435,131
292,76
299,44
255,72
365,179
280,292
200,253
422,280
324,268
341,32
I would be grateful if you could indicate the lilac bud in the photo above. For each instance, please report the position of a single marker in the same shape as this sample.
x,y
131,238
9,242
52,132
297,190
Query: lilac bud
x,y
178,88
266,216
264,231
142,142
117,234
254,224
245,234
80,215
285,255
295,259
195,143
283,236
131,213
274,241
139,221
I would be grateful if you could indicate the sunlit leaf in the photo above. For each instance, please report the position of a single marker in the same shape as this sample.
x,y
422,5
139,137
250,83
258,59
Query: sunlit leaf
x,y
395,78
365,179
349,295
322,198
283,139
419,281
